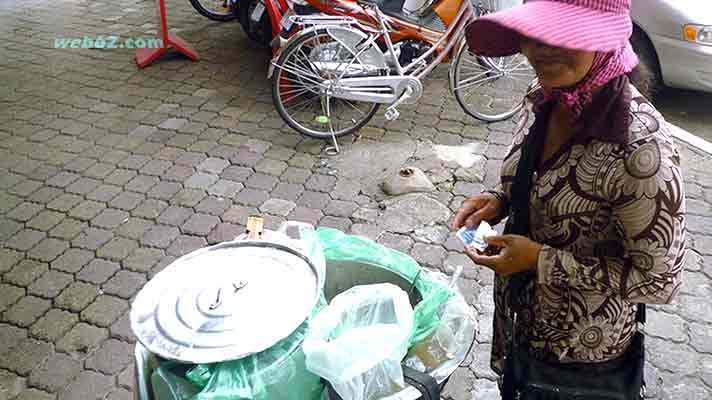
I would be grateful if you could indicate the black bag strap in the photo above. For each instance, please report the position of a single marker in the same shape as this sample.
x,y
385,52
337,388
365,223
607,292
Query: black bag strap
x,y
426,384
640,314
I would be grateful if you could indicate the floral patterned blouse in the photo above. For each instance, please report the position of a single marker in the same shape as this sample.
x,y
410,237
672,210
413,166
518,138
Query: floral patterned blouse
x,y
609,210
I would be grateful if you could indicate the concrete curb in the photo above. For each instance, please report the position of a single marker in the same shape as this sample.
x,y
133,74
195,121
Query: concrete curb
x,y
691,139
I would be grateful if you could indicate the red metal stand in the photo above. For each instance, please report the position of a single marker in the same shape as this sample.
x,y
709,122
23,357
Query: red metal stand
x,y
148,55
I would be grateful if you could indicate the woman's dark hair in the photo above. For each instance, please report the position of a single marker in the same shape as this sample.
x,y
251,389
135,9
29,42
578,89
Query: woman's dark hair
x,y
644,80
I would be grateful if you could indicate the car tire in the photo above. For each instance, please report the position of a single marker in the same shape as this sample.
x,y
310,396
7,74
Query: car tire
x,y
647,77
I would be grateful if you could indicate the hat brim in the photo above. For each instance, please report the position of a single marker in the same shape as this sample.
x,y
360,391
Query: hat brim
x,y
554,23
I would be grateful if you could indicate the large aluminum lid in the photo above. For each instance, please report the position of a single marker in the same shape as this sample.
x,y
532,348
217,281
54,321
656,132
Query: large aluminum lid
x,y
225,302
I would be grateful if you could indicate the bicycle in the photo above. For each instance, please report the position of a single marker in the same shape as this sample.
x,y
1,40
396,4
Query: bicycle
x,y
331,77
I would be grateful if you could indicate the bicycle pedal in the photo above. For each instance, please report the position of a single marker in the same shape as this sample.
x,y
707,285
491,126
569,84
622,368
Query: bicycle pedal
x,y
391,114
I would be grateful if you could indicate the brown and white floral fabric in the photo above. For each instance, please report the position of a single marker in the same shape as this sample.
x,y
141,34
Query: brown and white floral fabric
x,y
610,215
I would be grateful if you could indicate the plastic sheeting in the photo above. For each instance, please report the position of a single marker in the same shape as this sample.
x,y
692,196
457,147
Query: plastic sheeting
x,y
278,373
426,317
358,341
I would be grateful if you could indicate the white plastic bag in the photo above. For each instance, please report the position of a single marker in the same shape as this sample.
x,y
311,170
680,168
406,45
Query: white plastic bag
x,y
358,341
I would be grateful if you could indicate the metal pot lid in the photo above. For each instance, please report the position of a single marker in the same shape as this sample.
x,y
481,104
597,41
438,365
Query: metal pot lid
x,y
225,302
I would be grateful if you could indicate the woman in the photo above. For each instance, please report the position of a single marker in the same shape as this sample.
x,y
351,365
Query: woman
x,y
596,189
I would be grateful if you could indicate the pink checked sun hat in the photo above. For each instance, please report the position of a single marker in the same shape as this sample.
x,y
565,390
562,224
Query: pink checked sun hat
x,y
591,25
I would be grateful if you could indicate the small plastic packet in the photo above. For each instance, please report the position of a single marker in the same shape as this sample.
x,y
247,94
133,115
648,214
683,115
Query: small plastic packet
x,y
475,238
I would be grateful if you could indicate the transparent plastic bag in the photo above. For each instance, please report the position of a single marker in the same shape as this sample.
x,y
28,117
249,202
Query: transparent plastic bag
x,y
338,246
278,373
441,352
358,341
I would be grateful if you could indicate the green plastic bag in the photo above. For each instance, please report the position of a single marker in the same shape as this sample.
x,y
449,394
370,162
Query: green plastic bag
x,y
278,373
339,246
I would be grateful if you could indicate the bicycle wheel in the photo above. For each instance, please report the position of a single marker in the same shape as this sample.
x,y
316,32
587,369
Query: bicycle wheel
x,y
303,100
490,89
260,31
217,10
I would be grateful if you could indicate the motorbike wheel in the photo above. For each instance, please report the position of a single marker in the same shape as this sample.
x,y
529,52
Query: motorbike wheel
x,y
299,94
217,10
259,32
490,89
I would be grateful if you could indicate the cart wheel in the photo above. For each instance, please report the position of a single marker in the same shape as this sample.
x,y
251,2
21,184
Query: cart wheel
x,y
259,31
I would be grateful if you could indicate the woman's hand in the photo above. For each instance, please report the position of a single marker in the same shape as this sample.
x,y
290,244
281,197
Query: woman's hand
x,y
517,254
483,207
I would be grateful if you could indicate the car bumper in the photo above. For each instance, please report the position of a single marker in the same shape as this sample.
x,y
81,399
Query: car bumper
x,y
684,65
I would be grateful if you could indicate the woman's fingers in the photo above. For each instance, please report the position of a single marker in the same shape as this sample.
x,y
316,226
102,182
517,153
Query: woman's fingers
x,y
498,241
488,261
468,207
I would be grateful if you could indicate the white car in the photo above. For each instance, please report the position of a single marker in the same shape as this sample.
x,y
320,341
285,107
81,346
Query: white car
x,y
673,39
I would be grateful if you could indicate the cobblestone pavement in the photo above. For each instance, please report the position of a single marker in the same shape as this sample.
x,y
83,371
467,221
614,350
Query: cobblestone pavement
x,y
108,173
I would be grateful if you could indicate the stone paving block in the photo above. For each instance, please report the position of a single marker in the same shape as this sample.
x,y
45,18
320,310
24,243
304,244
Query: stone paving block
x,y
120,394
141,183
174,215
213,165
25,272
55,373
246,158
200,224
134,228
68,229
117,249
25,211
160,236
26,188
45,220
8,258
26,356
164,190
700,337
44,195
121,329
213,205
26,311
111,358
53,325
50,284
149,209
155,167
201,180
8,202
72,260
126,201
110,218
239,214
287,191
34,394
295,175
88,385
9,295
251,197
143,259
124,284
120,177
77,296
99,170
271,167
305,214
79,164
83,186
225,232
10,384
340,208
190,159
48,249
98,271
277,207
237,173
104,310
342,224
82,338
92,238
64,202
225,188
320,183
261,181
87,210
178,173
8,228
62,179
173,123
315,200
188,197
